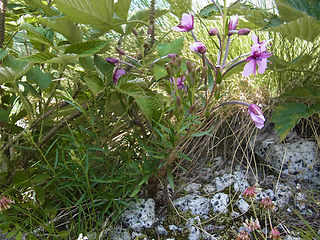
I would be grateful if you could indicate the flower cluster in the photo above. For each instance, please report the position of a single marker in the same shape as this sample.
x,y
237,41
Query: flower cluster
x,y
256,61
5,203
250,192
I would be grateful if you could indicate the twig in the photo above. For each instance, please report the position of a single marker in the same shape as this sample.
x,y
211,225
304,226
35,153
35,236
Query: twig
x,y
3,10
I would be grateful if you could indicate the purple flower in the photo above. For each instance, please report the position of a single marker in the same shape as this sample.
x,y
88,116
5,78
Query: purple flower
x,y
186,24
112,60
258,57
256,116
179,82
198,47
117,74
233,23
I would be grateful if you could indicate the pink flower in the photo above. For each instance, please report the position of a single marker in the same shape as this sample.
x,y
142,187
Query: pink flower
x,y
186,24
179,82
252,225
275,234
117,74
256,116
250,192
233,23
4,203
112,60
258,57
267,203
198,47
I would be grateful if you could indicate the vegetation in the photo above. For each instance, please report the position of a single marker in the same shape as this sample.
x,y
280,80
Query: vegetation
x,y
99,100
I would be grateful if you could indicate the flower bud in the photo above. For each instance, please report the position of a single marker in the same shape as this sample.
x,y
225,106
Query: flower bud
x,y
142,32
120,51
192,108
213,32
169,70
150,28
244,31
179,102
146,45
112,60
204,73
189,66
135,32
172,55
179,60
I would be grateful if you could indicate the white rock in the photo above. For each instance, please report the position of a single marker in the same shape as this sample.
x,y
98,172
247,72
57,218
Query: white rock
x,y
242,205
193,188
194,232
291,238
263,194
206,174
119,233
209,189
240,185
282,195
161,230
173,228
223,182
300,201
140,215
196,204
219,203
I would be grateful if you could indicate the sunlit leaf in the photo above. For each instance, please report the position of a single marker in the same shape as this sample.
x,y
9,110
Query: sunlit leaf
x,y
174,46
37,76
86,48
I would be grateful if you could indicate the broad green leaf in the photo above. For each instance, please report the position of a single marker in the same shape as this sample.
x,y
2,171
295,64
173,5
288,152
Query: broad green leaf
x,y
38,35
131,89
38,4
67,28
86,48
42,57
159,72
7,75
310,7
151,106
142,15
87,64
4,163
4,115
98,13
3,53
103,66
288,13
178,7
287,115
16,64
122,8
306,28
94,83
174,46
36,75
210,11
303,93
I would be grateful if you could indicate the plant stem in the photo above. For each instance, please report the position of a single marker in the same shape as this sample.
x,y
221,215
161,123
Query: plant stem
x,y
3,10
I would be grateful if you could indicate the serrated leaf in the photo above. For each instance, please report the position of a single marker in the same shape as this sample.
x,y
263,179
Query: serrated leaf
x,y
159,72
67,28
103,66
151,107
40,57
94,83
131,89
122,8
287,115
178,7
174,46
302,93
36,75
306,28
288,13
312,8
98,13
85,48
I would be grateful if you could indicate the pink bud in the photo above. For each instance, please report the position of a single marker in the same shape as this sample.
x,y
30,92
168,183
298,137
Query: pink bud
x,y
244,31
213,32
198,47
120,51
256,116
112,60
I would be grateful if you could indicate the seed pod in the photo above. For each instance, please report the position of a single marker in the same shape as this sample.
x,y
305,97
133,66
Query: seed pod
x,y
204,73
179,102
135,32
189,65
169,70
192,108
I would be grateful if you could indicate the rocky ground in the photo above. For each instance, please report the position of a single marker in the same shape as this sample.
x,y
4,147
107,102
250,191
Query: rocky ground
x,y
212,204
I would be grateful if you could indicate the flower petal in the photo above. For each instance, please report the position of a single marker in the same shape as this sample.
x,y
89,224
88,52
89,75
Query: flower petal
x,y
248,68
262,65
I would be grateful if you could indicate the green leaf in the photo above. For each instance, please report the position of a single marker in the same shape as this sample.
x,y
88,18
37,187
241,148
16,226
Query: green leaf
x,y
122,8
4,115
103,66
67,28
38,4
36,75
201,133
86,48
178,7
159,72
288,13
42,57
131,89
98,13
151,106
174,46
303,93
306,28
94,83
287,115
7,75
218,76
3,53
